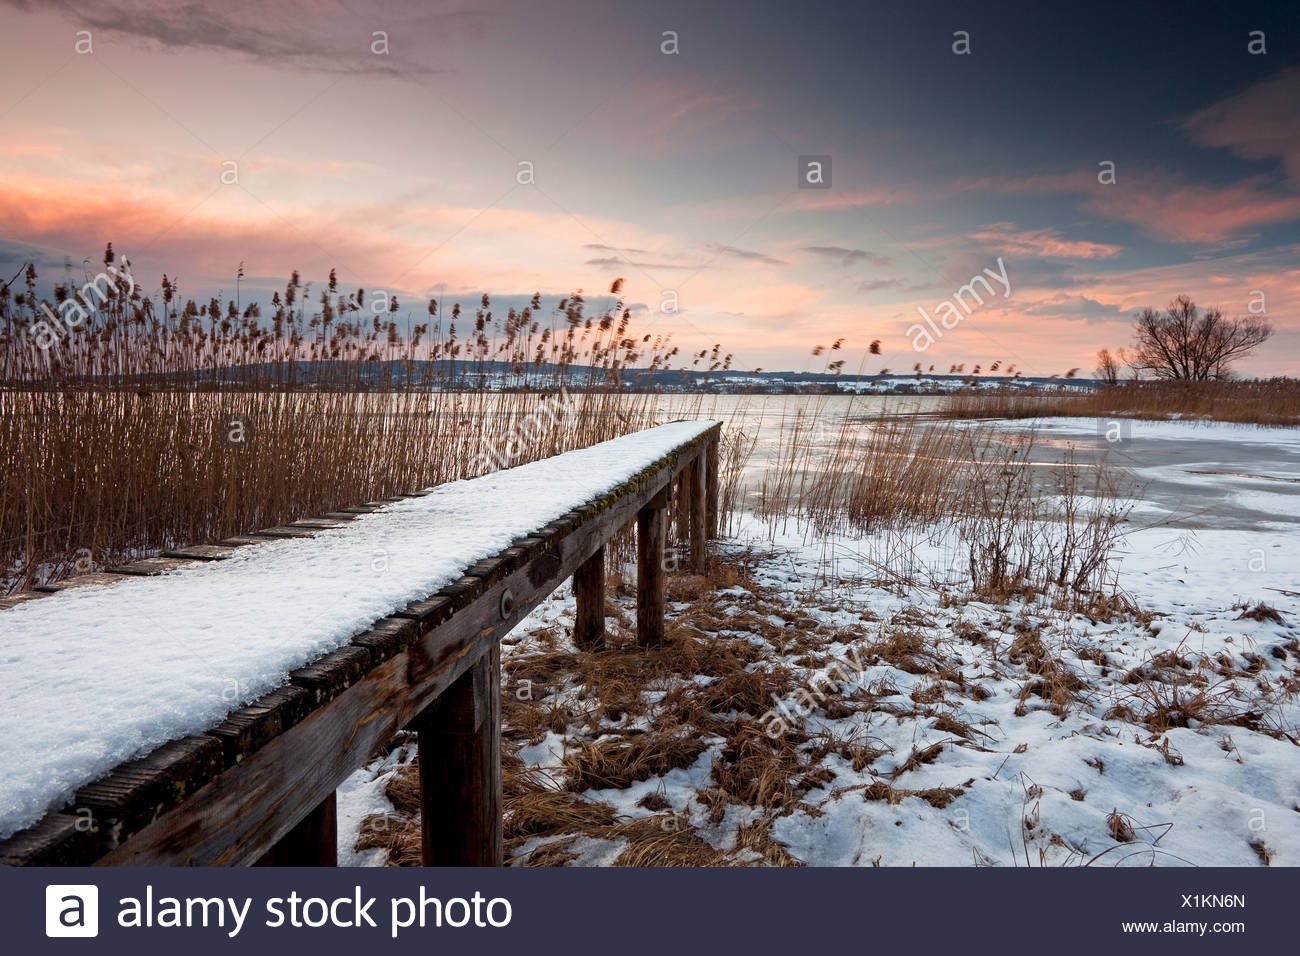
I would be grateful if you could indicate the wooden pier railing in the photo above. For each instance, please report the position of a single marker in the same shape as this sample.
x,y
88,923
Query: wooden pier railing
x,y
258,789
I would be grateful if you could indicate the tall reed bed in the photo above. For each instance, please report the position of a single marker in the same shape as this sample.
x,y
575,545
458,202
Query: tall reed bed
x,y
858,474
130,424
1274,401
89,478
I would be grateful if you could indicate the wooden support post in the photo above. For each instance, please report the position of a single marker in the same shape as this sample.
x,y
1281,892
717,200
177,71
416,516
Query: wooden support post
x,y
313,842
460,769
589,593
711,486
650,528
682,507
699,529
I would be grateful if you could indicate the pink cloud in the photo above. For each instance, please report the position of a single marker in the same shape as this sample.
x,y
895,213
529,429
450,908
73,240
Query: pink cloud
x,y
1185,213
1263,122
1042,242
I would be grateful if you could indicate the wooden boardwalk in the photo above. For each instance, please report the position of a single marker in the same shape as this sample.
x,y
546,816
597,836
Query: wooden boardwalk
x,y
258,788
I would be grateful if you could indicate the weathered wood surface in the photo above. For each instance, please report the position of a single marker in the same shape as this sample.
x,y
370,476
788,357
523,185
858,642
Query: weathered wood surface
x,y
680,506
282,757
202,552
314,841
460,769
13,600
589,600
711,487
696,494
148,567
80,581
651,529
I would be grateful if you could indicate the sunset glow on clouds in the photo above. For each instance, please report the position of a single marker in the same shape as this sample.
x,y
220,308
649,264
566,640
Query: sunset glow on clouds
x,y
675,171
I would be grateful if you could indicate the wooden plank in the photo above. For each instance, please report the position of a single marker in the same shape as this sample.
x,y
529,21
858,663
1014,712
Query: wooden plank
x,y
695,493
651,525
317,524
249,728
286,531
21,597
148,567
427,613
138,792
81,581
331,675
313,842
58,840
387,638
202,552
244,811
460,769
589,596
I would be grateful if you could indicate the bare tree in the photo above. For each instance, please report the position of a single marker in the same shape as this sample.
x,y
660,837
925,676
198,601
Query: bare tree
x,y
1107,367
1188,344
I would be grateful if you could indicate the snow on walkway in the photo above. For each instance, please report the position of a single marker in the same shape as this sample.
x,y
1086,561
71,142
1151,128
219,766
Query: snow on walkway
x,y
94,676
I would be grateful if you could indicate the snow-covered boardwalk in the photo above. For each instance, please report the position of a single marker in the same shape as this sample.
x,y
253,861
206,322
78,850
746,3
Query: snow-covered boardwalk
x,y
225,699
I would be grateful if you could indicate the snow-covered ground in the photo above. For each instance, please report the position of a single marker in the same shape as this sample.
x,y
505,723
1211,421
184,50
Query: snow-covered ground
x,y
134,664
1038,780
923,727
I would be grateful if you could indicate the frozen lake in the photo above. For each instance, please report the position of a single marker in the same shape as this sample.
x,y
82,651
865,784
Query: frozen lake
x,y
1189,475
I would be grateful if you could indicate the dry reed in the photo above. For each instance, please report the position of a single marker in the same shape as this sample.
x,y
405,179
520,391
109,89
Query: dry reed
x,y
152,424
1274,401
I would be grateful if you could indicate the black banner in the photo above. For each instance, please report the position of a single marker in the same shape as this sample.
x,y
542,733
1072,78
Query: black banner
x,y
645,911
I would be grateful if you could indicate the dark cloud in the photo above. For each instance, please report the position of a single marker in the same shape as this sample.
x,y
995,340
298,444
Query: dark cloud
x,y
601,247
1260,122
1075,307
335,37
847,257
747,254
611,263
1025,272
874,285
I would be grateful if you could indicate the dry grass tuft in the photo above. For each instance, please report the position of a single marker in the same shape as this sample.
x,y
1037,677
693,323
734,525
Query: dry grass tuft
x,y
1262,851
937,797
619,762
1051,679
919,758
1120,827
755,770
663,840
550,811
1261,612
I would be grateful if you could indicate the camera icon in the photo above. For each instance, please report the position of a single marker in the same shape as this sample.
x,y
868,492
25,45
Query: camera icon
x,y
71,910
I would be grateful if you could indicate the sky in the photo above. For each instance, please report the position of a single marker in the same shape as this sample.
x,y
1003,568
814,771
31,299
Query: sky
x,y
1102,158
